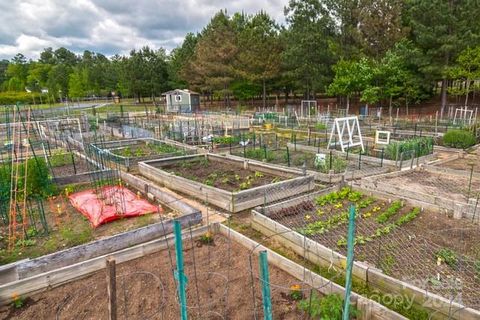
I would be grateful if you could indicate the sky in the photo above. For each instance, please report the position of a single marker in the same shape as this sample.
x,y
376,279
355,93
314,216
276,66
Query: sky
x,y
111,26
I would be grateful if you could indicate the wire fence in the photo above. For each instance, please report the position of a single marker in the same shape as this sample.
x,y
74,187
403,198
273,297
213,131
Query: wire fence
x,y
426,249
224,282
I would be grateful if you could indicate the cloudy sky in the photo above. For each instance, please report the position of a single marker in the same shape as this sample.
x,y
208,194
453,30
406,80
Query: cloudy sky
x,y
110,26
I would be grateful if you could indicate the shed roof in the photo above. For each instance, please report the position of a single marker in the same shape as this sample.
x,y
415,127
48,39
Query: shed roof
x,y
178,91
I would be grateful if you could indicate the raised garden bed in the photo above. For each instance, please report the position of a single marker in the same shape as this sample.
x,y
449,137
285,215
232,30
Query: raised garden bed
x,y
220,284
127,153
230,184
375,157
429,186
335,167
460,164
67,227
411,247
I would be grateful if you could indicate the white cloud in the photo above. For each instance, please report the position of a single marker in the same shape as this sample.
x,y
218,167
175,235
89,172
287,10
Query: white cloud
x,y
110,26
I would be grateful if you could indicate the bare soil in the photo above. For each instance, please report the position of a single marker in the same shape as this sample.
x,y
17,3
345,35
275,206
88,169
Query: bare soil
x,y
221,175
440,185
81,166
222,284
464,163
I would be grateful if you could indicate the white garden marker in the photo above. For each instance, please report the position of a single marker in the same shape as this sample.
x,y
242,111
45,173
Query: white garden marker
x,y
382,137
354,135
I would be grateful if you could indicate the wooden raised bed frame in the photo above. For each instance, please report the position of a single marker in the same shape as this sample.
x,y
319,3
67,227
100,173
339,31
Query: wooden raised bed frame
x,y
235,201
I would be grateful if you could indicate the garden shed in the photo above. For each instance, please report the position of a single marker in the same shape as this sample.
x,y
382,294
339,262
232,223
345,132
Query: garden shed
x,y
182,100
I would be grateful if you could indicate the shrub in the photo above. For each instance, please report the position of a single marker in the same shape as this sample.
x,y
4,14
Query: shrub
x,y
459,139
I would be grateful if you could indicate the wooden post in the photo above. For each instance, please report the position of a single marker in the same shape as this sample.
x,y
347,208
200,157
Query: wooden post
x,y
111,289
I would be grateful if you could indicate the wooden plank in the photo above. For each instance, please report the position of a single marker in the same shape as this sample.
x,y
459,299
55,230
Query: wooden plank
x,y
28,268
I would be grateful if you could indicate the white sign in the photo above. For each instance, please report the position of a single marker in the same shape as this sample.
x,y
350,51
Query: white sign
x,y
382,137
320,159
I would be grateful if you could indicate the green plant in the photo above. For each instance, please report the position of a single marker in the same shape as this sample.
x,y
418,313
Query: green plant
x,y
448,256
259,154
164,148
275,180
391,210
366,202
342,242
296,292
322,226
206,238
245,185
417,147
204,162
69,189
333,197
329,307
139,153
18,301
320,126
459,139
25,242
210,181
31,232
226,140
338,165
387,263
476,264
58,159
408,217
354,196
126,152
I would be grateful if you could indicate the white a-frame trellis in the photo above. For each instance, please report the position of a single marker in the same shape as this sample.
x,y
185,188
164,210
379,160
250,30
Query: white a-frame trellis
x,y
346,126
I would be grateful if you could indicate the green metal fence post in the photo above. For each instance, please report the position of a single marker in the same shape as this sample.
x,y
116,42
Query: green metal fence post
x,y
381,159
348,276
265,280
179,274
331,159
288,157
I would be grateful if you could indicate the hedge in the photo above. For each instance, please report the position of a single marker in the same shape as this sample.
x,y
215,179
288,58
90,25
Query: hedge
x,y
12,97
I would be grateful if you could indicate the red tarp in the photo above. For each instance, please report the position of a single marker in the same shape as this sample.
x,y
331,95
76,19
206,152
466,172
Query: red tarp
x,y
109,204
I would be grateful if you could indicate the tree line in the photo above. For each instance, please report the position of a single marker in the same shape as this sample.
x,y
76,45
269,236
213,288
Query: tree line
x,y
389,52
